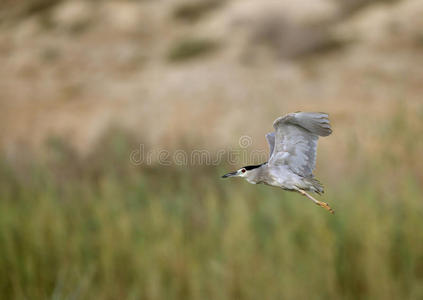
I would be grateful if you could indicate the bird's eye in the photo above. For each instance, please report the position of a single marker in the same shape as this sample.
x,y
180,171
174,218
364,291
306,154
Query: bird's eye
x,y
243,170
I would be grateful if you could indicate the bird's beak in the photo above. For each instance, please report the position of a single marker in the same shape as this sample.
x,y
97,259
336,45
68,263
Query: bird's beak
x,y
230,174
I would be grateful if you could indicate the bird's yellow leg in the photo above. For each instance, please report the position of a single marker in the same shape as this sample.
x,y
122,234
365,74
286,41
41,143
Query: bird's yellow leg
x,y
320,203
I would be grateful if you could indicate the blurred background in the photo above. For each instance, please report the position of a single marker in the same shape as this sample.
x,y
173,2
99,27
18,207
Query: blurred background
x,y
83,84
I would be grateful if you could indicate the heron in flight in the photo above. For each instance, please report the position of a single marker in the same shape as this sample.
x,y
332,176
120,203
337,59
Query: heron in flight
x,y
292,155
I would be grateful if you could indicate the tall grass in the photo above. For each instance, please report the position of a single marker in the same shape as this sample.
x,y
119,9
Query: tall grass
x,y
100,228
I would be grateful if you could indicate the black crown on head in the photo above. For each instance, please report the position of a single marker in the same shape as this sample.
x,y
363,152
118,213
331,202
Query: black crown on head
x,y
248,168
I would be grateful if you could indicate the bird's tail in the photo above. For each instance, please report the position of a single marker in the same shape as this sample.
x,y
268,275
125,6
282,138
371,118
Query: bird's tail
x,y
316,186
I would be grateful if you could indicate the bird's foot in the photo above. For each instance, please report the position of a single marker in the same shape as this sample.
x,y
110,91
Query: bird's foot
x,y
325,206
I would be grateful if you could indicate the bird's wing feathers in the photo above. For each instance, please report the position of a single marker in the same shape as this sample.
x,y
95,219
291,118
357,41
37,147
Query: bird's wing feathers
x,y
296,136
270,137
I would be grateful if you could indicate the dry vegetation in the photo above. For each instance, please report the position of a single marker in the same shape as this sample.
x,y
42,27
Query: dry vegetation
x,y
79,221
102,228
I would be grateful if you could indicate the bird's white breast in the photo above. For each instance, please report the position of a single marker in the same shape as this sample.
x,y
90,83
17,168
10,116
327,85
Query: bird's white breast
x,y
282,176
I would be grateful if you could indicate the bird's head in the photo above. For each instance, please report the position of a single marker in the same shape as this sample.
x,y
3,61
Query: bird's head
x,y
243,172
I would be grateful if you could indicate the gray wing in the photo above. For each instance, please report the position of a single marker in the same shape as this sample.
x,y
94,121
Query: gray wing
x,y
296,136
270,137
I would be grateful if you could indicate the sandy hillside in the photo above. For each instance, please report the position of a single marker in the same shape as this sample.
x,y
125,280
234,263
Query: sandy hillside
x,y
207,71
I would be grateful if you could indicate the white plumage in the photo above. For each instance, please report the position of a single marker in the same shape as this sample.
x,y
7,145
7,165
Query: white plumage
x,y
292,158
295,141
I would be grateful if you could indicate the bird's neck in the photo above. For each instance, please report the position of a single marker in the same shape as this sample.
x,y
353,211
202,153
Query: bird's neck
x,y
256,175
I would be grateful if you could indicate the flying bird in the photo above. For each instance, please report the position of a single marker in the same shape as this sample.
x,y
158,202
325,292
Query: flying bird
x,y
292,156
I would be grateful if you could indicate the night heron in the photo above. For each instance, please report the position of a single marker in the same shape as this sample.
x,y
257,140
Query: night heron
x,y
292,155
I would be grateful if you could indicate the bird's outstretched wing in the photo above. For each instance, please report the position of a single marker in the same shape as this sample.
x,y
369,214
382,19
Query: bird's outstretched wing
x,y
270,137
295,140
